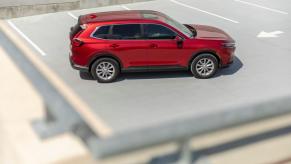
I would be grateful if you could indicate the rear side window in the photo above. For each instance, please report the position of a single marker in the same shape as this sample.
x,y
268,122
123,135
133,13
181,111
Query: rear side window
x,y
102,32
127,32
154,31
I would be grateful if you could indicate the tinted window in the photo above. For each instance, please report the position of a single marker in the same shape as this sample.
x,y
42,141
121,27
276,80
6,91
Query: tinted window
x,y
153,31
130,31
102,32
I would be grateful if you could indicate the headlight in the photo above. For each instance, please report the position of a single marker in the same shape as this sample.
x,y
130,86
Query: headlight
x,y
228,45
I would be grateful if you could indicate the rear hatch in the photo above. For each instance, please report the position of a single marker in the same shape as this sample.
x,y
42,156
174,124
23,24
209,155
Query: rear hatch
x,y
76,29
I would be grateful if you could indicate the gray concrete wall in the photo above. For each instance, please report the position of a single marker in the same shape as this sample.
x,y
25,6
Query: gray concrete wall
x,y
18,8
33,9
93,3
5,3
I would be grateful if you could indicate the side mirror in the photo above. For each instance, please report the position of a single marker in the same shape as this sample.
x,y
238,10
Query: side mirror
x,y
179,41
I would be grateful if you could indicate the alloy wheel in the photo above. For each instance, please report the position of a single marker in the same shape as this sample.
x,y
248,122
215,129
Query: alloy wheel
x,y
205,67
105,70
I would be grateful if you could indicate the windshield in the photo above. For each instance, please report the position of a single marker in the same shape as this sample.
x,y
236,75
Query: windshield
x,y
179,26
171,22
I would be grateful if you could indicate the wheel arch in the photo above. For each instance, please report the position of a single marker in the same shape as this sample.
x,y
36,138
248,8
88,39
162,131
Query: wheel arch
x,y
104,55
212,52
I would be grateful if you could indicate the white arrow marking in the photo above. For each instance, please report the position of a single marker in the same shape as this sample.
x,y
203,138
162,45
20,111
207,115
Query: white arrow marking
x,y
273,34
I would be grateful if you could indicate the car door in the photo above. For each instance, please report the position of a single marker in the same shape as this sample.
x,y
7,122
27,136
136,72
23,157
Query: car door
x,y
127,43
163,49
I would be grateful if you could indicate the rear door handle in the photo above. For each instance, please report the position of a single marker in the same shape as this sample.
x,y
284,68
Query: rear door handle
x,y
153,45
114,45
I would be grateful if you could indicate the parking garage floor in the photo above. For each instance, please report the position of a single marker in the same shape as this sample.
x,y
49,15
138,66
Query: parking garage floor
x,y
261,70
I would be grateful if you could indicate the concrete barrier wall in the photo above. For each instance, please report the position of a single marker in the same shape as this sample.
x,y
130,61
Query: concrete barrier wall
x,y
15,8
92,3
27,10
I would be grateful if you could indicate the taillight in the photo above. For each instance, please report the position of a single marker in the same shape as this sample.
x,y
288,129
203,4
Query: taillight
x,y
77,42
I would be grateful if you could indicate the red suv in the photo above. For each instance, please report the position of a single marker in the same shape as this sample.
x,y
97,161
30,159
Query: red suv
x,y
108,43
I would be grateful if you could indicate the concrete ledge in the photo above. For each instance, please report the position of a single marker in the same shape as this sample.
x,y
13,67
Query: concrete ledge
x,y
27,10
96,3
20,10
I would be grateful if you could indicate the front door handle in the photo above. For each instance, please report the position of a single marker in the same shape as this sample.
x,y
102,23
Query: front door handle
x,y
153,45
114,45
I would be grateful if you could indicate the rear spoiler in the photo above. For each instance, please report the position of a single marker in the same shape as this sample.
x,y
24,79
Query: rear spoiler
x,y
75,29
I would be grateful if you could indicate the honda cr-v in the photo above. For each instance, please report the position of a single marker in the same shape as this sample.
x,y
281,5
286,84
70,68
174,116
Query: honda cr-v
x,y
108,43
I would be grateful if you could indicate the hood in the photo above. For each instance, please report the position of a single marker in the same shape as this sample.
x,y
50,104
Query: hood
x,y
209,32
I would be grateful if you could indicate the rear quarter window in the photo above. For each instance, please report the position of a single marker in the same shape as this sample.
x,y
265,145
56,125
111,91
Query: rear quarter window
x,y
101,32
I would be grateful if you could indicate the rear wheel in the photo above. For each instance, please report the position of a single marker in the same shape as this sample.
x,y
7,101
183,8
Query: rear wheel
x,y
105,70
204,66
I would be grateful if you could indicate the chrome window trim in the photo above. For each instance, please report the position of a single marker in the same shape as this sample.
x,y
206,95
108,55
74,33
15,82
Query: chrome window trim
x,y
92,34
96,28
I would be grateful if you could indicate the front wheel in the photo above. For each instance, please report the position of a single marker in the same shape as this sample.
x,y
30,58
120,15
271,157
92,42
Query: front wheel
x,y
204,66
105,70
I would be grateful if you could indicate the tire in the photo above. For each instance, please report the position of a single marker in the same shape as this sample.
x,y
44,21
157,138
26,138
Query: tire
x,y
204,66
105,70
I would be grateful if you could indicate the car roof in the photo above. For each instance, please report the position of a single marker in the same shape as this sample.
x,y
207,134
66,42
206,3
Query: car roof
x,y
121,16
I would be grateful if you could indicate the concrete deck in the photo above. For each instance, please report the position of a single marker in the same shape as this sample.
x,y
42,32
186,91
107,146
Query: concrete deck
x,y
261,70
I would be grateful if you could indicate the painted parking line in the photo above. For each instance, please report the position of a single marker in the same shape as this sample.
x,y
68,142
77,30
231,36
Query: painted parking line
x,y
26,38
195,8
98,125
262,7
125,7
72,15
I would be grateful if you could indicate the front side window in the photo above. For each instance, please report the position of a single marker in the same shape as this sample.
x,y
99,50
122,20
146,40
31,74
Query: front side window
x,y
102,32
127,32
154,31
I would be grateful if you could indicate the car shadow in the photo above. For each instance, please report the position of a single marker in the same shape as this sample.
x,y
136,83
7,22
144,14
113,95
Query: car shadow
x,y
232,69
143,75
85,75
